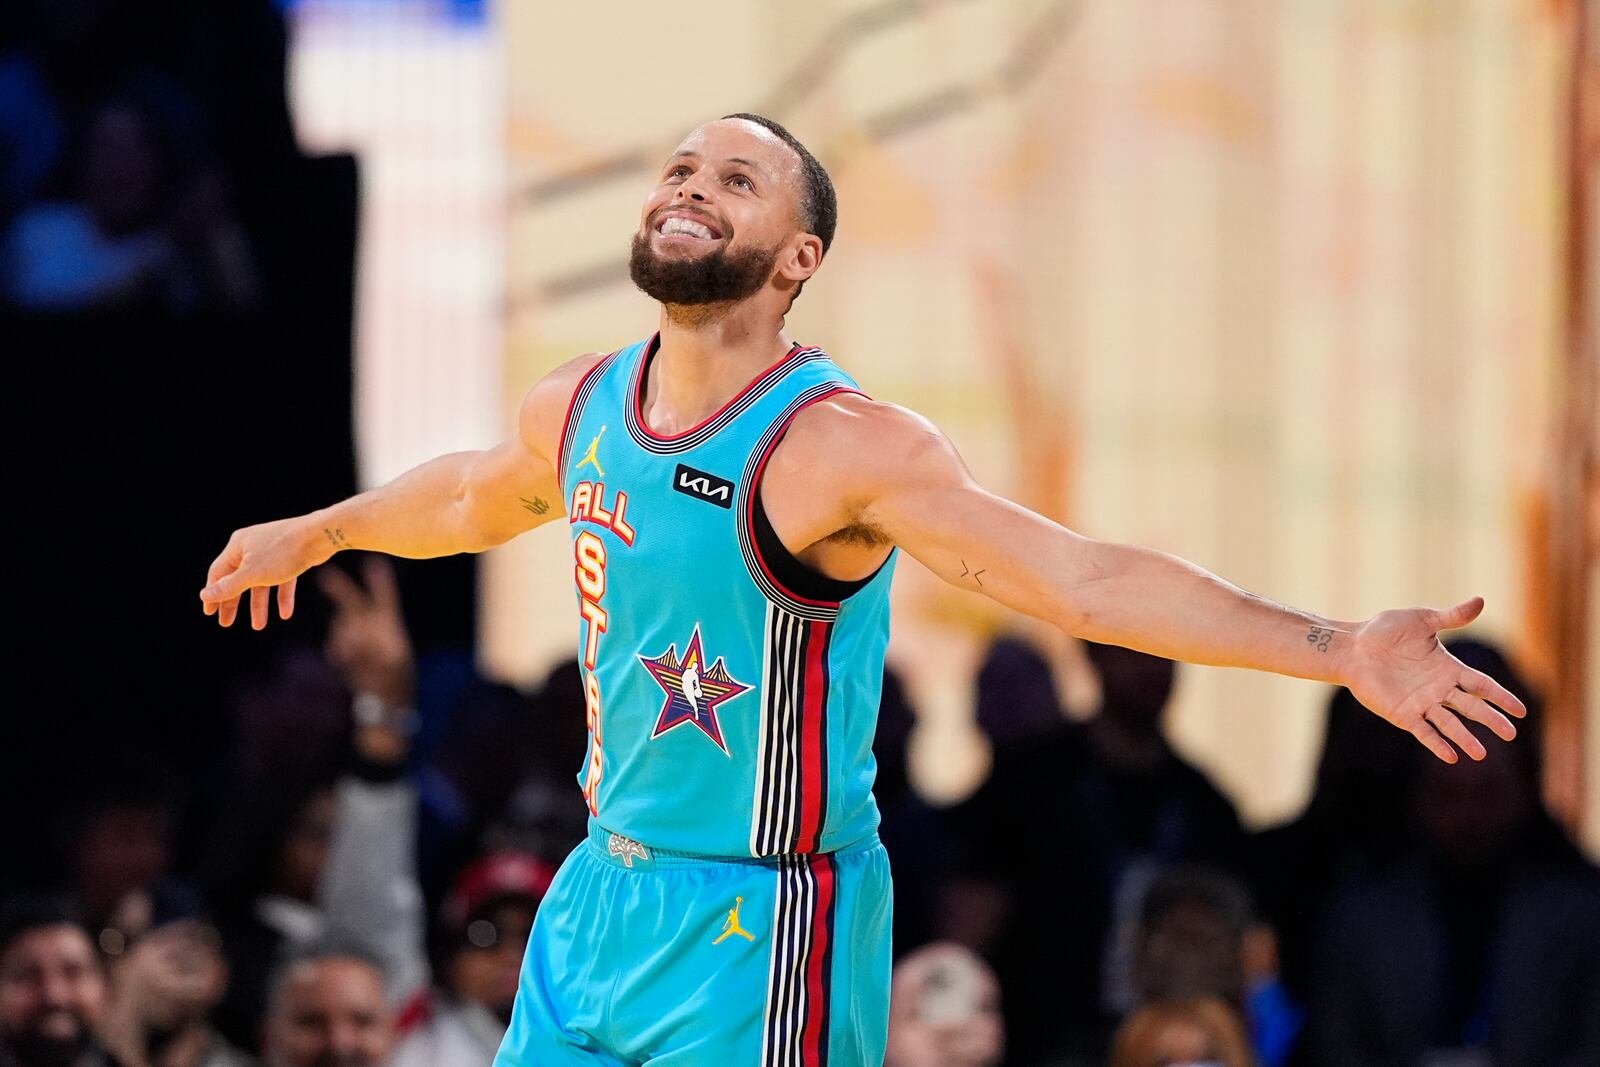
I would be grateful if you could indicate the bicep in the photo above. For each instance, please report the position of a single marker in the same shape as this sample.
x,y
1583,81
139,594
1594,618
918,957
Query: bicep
x,y
514,487
510,489
933,508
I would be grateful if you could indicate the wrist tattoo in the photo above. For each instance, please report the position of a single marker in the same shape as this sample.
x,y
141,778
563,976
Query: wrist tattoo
x,y
538,505
1320,636
337,537
965,570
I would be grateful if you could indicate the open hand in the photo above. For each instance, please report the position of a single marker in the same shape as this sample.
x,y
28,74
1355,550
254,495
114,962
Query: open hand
x,y
1395,664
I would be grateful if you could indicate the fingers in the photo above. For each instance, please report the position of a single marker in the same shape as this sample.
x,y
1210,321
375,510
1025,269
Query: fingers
x,y
382,584
1484,686
1433,740
286,599
260,606
226,611
221,568
340,588
1459,615
1447,723
1479,710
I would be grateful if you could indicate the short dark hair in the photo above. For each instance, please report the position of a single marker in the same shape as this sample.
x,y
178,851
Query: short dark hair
x,y
24,914
819,207
332,946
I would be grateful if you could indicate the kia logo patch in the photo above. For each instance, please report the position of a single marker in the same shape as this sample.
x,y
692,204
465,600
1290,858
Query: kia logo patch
x,y
703,486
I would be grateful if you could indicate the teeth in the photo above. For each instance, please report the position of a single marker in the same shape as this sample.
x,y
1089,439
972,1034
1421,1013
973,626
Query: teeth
x,y
677,224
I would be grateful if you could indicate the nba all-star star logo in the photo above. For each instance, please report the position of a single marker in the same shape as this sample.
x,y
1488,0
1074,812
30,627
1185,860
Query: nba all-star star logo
x,y
693,689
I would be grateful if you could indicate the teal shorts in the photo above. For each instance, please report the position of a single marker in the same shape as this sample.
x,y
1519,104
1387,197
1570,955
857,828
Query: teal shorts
x,y
676,960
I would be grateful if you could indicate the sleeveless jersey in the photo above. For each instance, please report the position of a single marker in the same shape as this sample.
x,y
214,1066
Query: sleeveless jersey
x,y
729,713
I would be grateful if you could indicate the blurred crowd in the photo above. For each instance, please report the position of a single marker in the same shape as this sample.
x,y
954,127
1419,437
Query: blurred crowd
x,y
242,848
365,896
113,190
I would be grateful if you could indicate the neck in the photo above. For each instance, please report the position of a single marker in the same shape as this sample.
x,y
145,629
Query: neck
x,y
708,352
184,1047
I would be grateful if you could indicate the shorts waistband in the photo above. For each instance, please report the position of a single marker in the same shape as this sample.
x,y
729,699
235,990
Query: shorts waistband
x,y
622,851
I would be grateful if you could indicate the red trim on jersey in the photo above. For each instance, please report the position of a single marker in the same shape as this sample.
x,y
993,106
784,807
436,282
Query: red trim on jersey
x,y
642,370
566,420
755,484
814,1037
813,736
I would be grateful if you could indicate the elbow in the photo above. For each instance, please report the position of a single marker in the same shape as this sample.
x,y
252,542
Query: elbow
x,y
1070,617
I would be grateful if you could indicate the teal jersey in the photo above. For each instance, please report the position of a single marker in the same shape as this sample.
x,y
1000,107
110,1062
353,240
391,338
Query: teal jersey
x,y
731,692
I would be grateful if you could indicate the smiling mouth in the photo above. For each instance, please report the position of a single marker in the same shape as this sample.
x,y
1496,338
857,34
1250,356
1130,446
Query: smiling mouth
x,y
686,228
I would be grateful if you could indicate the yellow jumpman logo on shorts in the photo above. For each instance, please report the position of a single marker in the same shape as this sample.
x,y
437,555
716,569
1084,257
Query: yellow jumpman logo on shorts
x,y
591,457
731,925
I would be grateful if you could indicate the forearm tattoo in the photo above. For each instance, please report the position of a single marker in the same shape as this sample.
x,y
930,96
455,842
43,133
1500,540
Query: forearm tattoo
x,y
965,570
1320,636
538,505
337,537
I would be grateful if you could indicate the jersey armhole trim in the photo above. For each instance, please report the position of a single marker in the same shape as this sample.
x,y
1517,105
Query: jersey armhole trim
x,y
752,503
569,421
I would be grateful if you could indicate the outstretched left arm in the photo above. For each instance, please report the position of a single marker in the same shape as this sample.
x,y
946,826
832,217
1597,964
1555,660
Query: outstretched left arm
x,y
907,483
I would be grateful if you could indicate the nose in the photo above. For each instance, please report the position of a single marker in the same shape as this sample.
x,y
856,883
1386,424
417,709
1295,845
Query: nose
x,y
691,189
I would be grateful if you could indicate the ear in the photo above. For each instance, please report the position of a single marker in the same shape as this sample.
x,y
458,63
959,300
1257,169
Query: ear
x,y
802,259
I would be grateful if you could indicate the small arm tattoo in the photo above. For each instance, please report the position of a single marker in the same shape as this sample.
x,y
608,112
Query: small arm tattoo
x,y
538,505
1321,637
965,570
337,537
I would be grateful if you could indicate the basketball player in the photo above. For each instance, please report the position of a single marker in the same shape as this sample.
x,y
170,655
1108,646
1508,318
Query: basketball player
x,y
736,506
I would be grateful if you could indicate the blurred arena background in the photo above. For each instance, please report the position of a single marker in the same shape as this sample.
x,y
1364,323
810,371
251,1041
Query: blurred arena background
x,y
1301,291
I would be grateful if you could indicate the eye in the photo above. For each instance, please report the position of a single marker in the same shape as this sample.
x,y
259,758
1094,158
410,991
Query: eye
x,y
679,169
742,178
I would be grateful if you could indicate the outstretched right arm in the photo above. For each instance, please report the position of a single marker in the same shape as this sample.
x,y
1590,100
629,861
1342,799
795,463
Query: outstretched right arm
x,y
460,502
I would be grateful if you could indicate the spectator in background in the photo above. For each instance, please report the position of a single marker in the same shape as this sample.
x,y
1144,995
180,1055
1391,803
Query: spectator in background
x,y
481,936
1197,1032
1191,943
1190,938
944,1010
163,988
491,741
540,816
346,868
120,853
912,830
259,912
1350,827
135,228
1016,693
101,245
328,1006
1057,848
52,988
1483,945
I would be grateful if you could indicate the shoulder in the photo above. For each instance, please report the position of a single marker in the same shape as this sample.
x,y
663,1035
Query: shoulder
x,y
543,416
872,442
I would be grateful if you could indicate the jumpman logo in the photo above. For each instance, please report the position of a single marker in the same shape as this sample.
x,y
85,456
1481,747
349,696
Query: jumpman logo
x,y
730,925
592,457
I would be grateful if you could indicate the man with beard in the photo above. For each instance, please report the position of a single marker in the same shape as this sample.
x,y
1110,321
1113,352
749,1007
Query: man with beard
x,y
736,505
52,988
327,1007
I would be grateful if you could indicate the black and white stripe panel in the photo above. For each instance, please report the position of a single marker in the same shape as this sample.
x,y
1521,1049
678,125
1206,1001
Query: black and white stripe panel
x,y
776,820
741,508
783,1032
755,392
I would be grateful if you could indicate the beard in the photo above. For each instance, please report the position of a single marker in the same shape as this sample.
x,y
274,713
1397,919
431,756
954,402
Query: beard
x,y
718,278
29,1048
